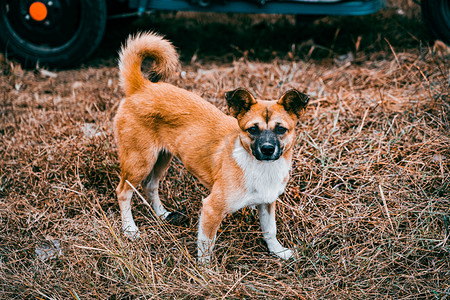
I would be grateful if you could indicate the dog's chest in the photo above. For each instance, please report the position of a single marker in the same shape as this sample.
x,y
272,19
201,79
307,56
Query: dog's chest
x,y
264,180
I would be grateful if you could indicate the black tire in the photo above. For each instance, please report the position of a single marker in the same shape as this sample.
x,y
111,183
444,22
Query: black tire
x,y
436,14
70,33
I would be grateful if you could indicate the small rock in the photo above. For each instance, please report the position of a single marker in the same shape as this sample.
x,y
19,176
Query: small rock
x,y
438,158
47,73
77,85
48,250
90,130
349,57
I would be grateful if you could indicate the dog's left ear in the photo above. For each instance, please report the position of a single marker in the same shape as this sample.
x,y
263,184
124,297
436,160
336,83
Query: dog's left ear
x,y
239,101
294,102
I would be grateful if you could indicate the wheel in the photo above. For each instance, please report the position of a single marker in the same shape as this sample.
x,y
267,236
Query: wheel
x,y
53,33
436,14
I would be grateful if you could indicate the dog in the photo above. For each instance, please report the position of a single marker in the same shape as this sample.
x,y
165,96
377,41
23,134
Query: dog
x,y
243,158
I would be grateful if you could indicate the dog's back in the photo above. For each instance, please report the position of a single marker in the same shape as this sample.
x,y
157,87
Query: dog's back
x,y
158,116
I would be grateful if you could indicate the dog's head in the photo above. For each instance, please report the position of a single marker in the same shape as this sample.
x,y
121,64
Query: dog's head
x,y
268,127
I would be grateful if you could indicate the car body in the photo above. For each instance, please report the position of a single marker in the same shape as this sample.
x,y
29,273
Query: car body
x,y
63,33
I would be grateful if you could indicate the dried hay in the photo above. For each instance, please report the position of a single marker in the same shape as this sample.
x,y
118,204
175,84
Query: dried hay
x,y
367,207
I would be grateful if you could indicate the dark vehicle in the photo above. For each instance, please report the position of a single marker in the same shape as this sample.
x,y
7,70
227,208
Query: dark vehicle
x,y
63,33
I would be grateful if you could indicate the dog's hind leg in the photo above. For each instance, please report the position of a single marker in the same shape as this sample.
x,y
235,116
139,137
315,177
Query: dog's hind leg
x,y
134,168
151,183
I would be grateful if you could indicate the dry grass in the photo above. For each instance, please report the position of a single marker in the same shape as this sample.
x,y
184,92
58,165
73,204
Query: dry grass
x,y
367,207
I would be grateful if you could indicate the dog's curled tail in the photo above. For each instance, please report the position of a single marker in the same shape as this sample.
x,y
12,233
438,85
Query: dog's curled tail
x,y
136,49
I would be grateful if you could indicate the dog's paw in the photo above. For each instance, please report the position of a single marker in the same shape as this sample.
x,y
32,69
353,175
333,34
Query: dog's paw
x,y
131,232
276,248
132,235
285,253
204,260
176,218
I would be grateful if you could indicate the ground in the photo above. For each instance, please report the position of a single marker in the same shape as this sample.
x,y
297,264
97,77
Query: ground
x,y
367,207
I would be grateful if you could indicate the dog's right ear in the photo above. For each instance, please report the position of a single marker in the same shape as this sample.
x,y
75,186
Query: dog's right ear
x,y
239,101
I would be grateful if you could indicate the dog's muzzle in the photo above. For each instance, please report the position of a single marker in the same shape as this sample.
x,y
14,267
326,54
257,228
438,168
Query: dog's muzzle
x,y
267,146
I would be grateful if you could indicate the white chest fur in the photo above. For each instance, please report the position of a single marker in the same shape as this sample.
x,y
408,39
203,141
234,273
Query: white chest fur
x,y
264,180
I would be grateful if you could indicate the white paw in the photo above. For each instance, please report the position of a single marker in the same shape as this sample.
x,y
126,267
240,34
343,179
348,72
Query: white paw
x,y
285,253
204,251
280,251
164,215
204,260
131,232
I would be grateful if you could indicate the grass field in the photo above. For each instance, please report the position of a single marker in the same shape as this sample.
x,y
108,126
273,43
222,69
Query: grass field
x,y
367,208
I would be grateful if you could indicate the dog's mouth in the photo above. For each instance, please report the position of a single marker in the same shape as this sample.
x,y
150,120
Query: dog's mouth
x,y
267,158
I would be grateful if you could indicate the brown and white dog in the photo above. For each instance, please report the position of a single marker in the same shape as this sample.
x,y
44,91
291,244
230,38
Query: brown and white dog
x,y
244,159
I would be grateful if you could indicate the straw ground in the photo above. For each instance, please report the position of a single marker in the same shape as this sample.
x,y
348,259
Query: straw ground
x,y
367,208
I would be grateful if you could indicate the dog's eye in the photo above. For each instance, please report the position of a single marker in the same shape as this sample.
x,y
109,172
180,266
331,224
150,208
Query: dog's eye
x,y
280,130
253,130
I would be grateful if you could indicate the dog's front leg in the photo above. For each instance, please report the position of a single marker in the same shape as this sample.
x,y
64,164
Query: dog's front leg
x,y
269,228
211,216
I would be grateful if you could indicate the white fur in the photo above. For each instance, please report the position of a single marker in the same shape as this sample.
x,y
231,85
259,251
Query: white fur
x,y
129,227
205,245
269,229
264,180
151,191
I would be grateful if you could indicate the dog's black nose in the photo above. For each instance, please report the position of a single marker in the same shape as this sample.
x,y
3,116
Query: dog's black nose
x,y
267,149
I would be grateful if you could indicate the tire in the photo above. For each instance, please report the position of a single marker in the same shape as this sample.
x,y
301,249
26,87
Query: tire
x,y
69,33
436,14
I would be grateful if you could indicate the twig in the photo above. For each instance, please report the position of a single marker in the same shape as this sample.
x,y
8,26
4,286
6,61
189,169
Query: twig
x,y
385,207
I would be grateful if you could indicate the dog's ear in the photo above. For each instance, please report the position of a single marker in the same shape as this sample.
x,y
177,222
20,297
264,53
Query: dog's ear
x,y
294,102
239,101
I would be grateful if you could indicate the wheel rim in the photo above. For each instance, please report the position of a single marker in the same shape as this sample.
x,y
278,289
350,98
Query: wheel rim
x,y
44,25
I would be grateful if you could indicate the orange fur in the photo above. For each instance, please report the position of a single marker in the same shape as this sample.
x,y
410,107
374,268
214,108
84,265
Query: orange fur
x,y
139,47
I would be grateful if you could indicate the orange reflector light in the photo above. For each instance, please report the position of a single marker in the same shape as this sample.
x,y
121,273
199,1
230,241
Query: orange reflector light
x,y
38,11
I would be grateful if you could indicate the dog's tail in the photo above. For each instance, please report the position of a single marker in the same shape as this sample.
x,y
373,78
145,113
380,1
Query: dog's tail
x,y
136,49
